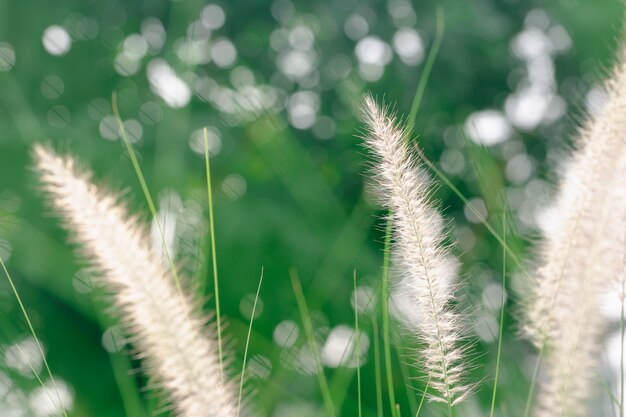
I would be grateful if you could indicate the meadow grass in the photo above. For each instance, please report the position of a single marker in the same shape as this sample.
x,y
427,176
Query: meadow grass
x,y
332,405
301,301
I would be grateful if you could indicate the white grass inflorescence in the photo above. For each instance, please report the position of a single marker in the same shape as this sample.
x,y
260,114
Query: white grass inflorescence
x,y
420,254
171,337
580,256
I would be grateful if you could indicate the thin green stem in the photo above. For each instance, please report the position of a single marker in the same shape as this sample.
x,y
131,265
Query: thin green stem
x,y
32,331
419,408
377,370
428,66
310,334
131,402
621,359
19,109
36,375
245,353
406,375
495,382
213,249
121,365
385,313
358,346
479,216
621,326
144,188
533,382
608,390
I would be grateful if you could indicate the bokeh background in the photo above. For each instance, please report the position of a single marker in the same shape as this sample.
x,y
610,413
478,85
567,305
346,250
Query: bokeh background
x,y
279,85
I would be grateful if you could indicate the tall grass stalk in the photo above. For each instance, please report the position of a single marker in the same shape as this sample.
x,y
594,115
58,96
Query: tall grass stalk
x,y
216,288
417,99
423,260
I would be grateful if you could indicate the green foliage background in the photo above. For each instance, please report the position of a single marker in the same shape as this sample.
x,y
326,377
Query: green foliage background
x,y
305,206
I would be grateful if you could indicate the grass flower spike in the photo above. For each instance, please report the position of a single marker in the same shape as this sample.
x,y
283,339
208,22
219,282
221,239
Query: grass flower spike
x,y
422,259
584,191
170,337
581,255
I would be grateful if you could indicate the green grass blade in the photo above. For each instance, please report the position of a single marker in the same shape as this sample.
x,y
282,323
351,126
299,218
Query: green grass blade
x,y
533,382
511,254
18,108
308,328
35,374
385,314
358,346
428,66
121,365
419,408
131,401
406,375
377,369
495,382
607,388
213,249
32,331
621,327
245,352
144,188
621,359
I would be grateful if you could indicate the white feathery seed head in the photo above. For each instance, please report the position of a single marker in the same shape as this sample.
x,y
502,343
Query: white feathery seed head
x,y
581,254
170,336
583,191
421,257
574,344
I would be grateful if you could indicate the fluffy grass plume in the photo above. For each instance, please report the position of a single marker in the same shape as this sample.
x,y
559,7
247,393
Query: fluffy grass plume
x,y
170,337
421,257
581,253
574,215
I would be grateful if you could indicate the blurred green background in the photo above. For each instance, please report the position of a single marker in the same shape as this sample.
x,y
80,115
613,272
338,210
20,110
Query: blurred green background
x,y
279,85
